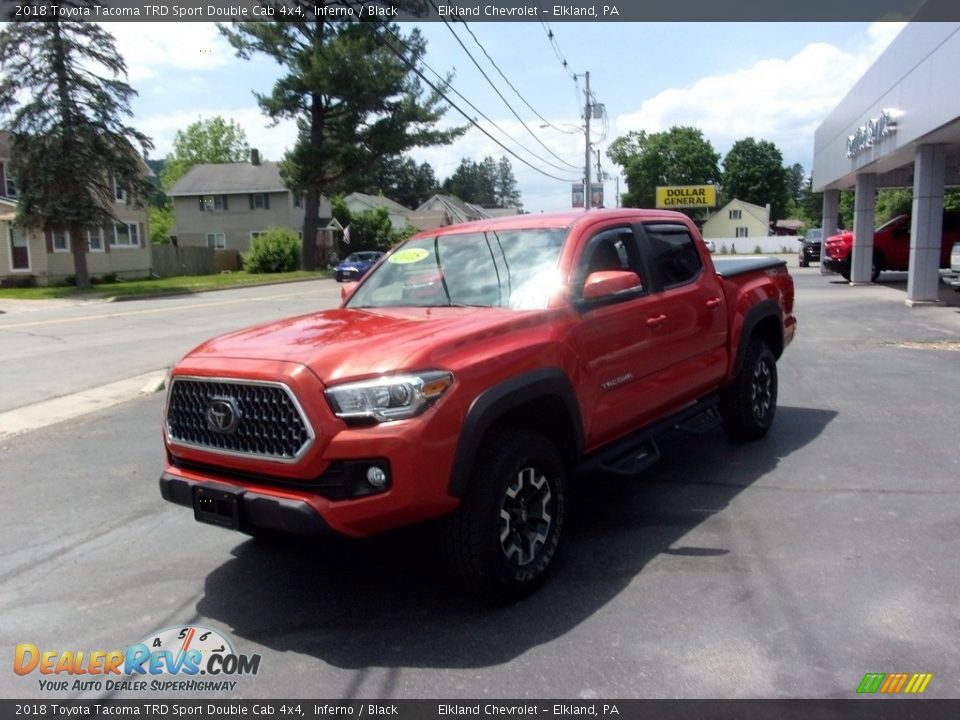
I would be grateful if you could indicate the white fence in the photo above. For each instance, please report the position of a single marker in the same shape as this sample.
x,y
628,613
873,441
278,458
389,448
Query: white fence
x,y
748,245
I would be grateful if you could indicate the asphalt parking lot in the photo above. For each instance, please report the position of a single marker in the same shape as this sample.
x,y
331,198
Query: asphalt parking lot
x,y
789,567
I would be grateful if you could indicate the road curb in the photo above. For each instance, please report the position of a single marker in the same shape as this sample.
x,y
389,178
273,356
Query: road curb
x,y
183,293
69,407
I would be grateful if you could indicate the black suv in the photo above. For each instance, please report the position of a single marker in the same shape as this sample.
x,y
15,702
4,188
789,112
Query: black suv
x,y
810,249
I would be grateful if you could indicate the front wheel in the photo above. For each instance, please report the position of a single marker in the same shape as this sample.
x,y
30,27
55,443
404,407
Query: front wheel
x,y
750,403
501,540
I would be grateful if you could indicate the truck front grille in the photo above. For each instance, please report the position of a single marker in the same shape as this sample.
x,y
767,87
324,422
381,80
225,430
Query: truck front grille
x,y
237,417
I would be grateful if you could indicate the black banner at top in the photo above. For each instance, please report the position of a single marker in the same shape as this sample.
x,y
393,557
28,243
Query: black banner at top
x,y
485,11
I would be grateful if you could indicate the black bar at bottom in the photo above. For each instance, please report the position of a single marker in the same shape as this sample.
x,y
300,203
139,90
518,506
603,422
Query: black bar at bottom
x,y
873,708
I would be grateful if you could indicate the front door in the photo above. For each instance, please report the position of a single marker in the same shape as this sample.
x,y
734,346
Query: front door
x,y
19,250
622,341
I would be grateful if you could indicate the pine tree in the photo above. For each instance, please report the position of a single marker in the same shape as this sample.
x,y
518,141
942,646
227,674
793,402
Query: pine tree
x,y
350,88
64,99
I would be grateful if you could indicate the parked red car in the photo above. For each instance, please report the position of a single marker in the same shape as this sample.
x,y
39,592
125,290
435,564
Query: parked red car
x,y
891,246
469,374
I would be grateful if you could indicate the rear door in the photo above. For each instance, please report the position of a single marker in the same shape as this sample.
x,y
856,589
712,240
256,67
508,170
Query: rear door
x,y
690,297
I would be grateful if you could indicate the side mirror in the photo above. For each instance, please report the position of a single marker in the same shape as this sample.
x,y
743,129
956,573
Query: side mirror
x,y
608,283
346,290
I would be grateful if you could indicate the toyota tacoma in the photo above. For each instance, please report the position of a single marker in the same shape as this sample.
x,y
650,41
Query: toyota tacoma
x,y
469,375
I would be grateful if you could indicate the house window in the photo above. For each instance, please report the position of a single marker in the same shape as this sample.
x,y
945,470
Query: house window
x,y
259,201
213,202
119,192
217,241
95,239
61,241
735,215
125,235
742,231
298,201
10,189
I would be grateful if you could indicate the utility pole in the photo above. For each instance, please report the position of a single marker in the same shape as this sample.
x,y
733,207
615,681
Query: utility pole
x,y
587,112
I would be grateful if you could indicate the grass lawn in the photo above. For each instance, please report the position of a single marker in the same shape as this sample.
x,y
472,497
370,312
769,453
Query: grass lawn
x,y
171,285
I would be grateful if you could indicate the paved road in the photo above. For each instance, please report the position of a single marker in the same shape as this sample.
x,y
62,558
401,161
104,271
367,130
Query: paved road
x,y
49,349
784,568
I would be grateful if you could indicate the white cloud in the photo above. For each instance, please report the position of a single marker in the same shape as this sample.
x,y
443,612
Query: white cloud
x,y
152,50
778,99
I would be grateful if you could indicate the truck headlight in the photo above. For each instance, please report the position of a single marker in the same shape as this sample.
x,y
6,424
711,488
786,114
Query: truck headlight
x,y
395,397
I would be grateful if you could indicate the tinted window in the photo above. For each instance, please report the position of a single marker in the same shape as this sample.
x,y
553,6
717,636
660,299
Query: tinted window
x,y
674,254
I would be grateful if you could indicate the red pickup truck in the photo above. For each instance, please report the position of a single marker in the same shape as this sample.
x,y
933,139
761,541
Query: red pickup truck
x,y
469,375
891,246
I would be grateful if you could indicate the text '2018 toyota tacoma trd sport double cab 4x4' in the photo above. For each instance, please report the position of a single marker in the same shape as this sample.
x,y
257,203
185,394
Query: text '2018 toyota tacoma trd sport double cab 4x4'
x,y
468,375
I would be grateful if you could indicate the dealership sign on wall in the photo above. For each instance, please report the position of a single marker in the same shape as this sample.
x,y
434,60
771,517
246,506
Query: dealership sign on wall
x,y
687,196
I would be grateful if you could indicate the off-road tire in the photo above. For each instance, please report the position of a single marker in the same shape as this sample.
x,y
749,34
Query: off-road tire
x,y
500,542
749,405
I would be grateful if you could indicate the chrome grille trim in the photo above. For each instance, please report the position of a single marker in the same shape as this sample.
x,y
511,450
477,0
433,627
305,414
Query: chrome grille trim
x,y
188,427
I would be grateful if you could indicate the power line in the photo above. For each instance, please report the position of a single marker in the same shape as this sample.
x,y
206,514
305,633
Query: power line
x,y
497,91
478,110
441,93
507,80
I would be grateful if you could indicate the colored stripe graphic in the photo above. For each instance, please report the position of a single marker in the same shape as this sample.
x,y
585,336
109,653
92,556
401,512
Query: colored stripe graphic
x,y
894,683
918,683
871,682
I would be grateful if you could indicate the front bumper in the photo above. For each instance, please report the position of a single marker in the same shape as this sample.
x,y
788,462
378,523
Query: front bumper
x,y
254,511
831,265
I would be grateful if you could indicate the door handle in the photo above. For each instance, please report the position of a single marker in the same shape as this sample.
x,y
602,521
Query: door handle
x,y
713,303
656,321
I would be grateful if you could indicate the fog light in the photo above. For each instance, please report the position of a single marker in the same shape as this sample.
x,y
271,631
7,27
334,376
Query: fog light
x,y
376,476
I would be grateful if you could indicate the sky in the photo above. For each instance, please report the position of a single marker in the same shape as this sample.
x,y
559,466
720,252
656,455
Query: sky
x,y
771,81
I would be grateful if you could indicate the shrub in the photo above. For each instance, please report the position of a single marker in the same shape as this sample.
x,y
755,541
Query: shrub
x,y
110,277
723,249
276,250
757,250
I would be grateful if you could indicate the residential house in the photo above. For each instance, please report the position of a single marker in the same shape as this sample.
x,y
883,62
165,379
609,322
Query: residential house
x,y
455,211
788,226
738,219
226,205
30,256
400,215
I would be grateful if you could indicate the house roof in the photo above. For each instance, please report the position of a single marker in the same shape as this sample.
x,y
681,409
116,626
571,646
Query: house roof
x,y
428,219
229,179
760,214
789,224
457,210
375,201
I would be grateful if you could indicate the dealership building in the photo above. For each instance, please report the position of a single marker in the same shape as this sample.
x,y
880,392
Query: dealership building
x,y
899,127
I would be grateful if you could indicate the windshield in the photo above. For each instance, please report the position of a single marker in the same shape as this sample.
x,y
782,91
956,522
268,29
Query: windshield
x,y
507,268
813,235
892,221
362,257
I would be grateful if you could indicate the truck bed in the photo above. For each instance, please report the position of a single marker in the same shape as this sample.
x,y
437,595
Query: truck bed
x,y
738,265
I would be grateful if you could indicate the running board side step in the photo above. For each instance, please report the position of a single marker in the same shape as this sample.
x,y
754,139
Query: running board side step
x,y
630,456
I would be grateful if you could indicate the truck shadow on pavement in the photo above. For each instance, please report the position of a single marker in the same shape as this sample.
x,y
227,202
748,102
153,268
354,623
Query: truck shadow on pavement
x,y
386,601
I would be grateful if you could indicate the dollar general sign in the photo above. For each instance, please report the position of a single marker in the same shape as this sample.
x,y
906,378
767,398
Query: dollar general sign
x,y
687,196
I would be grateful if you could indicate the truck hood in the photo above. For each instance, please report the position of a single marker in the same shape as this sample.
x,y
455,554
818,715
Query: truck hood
x,y
346,344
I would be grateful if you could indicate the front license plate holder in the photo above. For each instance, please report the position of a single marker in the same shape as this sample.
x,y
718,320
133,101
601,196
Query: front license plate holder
x,y
217,505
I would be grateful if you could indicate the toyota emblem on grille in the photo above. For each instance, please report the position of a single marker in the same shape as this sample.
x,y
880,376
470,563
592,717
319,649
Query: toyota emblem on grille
x,y
222,414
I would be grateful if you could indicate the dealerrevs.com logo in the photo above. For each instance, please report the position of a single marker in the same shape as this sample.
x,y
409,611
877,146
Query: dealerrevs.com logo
x,y
191,658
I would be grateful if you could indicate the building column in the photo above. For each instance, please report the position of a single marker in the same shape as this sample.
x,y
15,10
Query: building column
x,y
831,213
864,203
926,225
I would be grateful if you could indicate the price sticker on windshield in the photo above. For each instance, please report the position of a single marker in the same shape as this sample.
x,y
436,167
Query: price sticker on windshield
x,y
408,255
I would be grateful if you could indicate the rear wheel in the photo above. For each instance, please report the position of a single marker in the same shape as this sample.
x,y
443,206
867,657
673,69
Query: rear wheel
x,y
501,540
876,267
748,406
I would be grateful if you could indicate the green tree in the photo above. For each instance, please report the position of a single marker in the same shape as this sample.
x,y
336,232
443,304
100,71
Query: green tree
x,y
679,156
795,182
401,179
811,205
369,230
753,172
488,183
205,141
64,98
505,185
351,90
